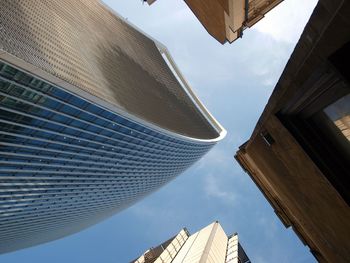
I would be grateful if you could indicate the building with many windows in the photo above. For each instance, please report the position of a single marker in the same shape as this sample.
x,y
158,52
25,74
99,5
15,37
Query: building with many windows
x,y
94,115
299,152
208,245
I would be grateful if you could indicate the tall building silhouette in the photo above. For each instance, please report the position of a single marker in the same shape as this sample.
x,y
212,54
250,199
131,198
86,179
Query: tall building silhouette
x,y
94,115
299,151
208,245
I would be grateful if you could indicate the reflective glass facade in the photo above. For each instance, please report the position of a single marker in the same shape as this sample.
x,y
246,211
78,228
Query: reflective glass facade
x,y
67,163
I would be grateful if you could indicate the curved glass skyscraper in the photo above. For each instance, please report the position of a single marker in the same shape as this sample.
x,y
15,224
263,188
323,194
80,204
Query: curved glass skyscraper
x,y
94,115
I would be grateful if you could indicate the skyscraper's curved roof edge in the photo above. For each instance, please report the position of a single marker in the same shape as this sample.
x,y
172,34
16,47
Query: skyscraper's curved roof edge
x,y
184,84
196,101
90,50
41,74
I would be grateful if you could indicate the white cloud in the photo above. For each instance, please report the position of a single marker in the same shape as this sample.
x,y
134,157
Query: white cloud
x,y
286,22
215,188
216,157
181,16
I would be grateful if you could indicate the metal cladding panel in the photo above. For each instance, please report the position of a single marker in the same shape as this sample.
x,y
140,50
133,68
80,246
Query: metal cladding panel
x,y
173,248
207,245
165,252
187,251
217,248
66,163
86,45
232,250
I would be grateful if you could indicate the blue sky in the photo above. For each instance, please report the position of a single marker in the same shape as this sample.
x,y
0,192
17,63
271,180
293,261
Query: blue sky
x,y
234,82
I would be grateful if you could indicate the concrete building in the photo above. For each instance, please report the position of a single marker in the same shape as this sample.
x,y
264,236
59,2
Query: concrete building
x,y
94,115
208,245
225,20
299,152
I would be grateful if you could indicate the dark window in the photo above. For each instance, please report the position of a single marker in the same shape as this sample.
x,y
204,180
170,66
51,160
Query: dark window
x,y
319,118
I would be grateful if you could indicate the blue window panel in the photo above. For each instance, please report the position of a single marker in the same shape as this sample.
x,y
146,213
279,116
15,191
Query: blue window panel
x,y
93,158
78,102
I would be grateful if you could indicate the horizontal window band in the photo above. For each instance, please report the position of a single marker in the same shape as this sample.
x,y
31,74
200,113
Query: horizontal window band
x,y
63,193
57,207
82,139
10,155
121,159
52,198
156,147
66,126
41,167
176,146
42,150
79,187
82,147
80,109
130,151
56,220
33,217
